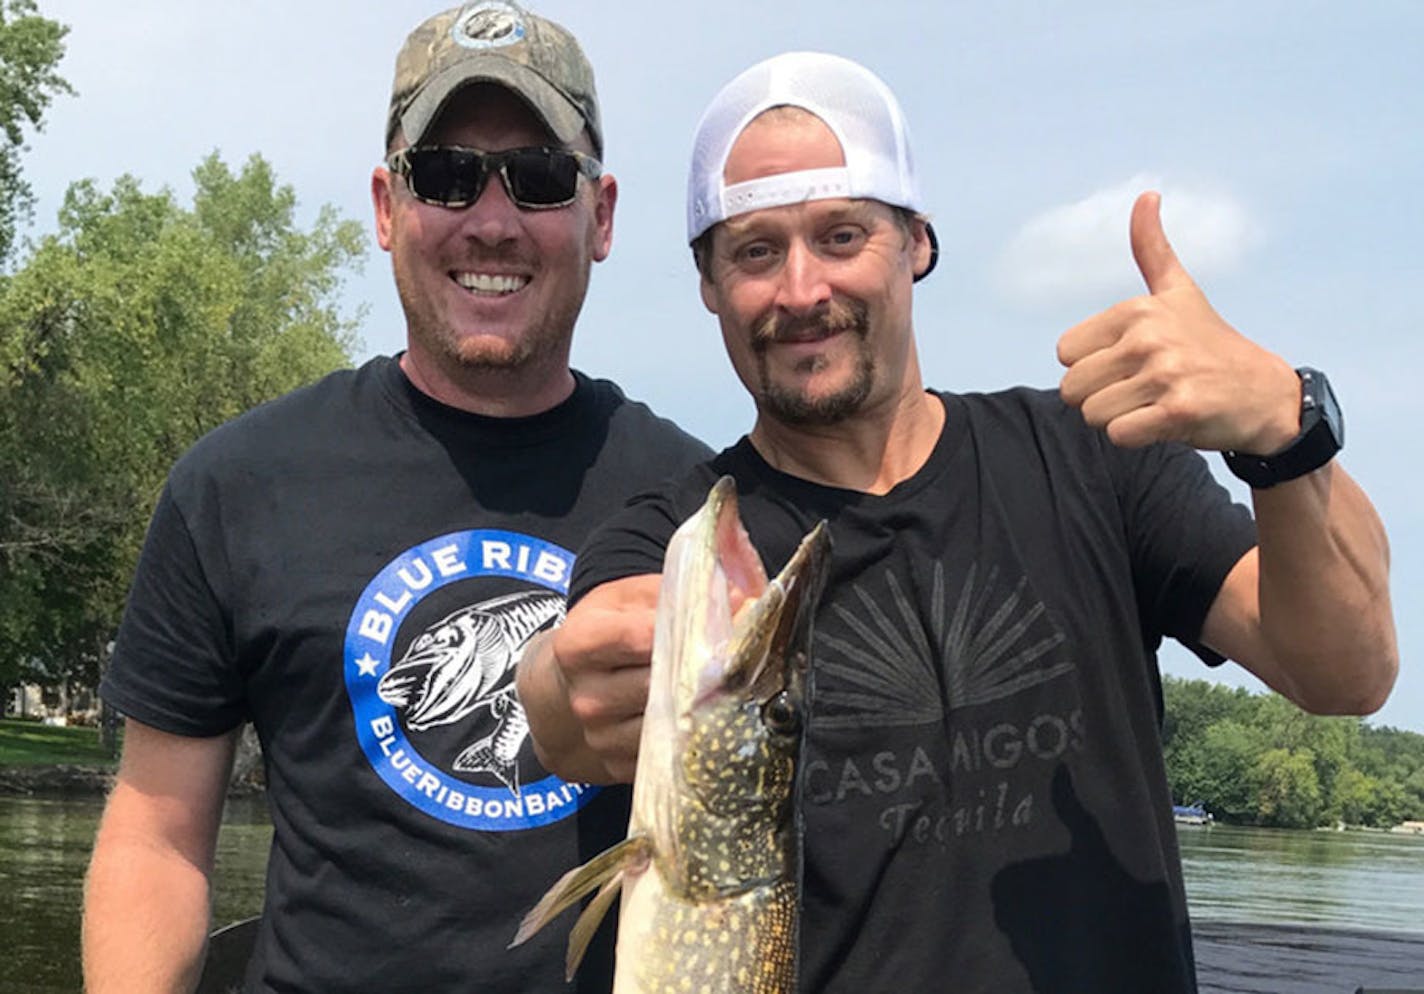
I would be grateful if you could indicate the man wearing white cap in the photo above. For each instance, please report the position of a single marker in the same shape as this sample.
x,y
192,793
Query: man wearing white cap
x,y
983,789
355,567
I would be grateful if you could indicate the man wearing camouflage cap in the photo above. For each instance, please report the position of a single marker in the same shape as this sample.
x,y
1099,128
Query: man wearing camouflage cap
x,y
355,568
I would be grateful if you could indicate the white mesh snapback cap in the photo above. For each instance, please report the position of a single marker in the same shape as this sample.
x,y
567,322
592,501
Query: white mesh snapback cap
x,y
852,101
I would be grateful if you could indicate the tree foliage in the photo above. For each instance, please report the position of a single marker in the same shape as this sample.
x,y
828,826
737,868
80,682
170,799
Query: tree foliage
x,y
1259,760
30,50
138,326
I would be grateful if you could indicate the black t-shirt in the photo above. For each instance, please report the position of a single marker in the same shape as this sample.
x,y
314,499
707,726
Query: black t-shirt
x,y
354,568
985,803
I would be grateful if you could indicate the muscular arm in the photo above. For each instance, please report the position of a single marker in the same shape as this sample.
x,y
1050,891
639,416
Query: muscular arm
x,y
1308,610
146,894
584,685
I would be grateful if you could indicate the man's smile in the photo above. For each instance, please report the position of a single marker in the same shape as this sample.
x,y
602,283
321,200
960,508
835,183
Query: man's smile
x,y
491,284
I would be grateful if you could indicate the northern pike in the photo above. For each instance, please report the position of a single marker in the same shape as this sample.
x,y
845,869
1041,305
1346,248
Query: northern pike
x,y
710,870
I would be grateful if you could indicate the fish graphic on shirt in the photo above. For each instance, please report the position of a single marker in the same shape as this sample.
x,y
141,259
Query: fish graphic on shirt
x,y
466,662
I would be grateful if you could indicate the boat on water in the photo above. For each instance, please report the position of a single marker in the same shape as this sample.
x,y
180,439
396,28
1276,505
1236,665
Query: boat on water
x,y
229,949
1191,814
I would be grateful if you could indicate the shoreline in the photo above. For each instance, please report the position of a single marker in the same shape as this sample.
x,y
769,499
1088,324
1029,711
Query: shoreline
x,y
88,779
79,780
56,779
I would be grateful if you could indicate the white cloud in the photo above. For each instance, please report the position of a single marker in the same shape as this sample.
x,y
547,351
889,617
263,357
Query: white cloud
x,y
1079,252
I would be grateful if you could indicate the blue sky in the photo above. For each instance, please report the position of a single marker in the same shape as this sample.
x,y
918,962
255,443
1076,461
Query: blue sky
x,y
1287,138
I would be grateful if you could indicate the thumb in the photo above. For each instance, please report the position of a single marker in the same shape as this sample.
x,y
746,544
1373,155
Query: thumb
x,y
1156,261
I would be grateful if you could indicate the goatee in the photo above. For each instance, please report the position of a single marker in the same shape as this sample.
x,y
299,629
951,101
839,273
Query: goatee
x,y
793,406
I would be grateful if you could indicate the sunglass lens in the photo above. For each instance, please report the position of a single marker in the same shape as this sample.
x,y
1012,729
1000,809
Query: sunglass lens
x,y
542,177
446,175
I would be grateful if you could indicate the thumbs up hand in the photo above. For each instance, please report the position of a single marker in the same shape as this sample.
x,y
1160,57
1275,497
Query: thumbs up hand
x,y
1167,367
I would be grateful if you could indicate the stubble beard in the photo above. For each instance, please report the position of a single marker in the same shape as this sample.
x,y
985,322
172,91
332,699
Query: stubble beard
x,y
544,342
791,405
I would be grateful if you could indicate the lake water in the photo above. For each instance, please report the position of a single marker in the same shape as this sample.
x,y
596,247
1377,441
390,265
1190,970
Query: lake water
x,y
1328,888
44,849
1280,912
1364,880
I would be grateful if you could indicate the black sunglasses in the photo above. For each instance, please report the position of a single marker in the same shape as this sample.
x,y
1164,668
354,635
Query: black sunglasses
x,y
452,176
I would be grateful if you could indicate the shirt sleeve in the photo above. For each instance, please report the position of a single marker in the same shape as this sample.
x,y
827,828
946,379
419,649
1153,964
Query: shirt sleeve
x,y
174,664
1185,534
630,543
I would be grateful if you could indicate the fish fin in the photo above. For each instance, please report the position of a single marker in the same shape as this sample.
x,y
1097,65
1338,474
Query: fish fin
x,y
583,931
582,880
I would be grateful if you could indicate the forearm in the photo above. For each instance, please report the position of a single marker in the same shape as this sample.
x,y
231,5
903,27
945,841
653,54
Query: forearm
x,y
145,912
558,736
1325,613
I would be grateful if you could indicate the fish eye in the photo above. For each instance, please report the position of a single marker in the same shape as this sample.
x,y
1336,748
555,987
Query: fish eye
x,y
780,715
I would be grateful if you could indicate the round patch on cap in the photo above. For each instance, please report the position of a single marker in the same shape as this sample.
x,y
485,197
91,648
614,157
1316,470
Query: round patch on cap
x,y
492,24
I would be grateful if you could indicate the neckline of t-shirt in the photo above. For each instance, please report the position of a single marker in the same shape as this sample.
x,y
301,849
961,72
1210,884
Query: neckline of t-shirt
x,y
568,415
950,437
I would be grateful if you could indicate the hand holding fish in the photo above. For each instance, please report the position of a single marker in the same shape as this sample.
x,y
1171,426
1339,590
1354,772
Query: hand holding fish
x,y
602,652
585,684
1167,367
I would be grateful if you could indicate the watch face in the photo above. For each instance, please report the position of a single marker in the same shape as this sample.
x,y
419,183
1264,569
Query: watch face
x,y
1330,409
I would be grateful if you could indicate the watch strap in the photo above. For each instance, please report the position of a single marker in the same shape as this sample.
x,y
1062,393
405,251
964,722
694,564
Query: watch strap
x,y
1322,435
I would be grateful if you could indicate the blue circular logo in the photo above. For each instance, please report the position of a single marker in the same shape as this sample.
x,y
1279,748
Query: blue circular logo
x,y
456,669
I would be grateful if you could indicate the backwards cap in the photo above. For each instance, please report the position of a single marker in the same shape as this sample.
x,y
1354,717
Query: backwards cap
x,y
849,99
494,41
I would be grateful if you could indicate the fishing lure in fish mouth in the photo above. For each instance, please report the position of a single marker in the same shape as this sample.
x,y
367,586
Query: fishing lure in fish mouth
x,y
710,871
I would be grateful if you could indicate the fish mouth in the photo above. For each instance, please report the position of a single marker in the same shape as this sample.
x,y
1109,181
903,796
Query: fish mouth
x,y
731,551
765,625
774,636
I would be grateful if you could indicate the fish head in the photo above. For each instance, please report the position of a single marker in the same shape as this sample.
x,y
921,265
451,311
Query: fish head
x,y
727,694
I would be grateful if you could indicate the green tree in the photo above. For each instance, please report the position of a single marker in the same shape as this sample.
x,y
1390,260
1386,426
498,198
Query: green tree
x,y
30,50
1245,756
1394,756
1287,789
1226,758
1331,744
1355,796
1412,796
1365,800
1190,707
138,326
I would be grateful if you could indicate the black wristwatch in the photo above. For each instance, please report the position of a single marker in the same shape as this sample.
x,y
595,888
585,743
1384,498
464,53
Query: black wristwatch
x,y
1322,434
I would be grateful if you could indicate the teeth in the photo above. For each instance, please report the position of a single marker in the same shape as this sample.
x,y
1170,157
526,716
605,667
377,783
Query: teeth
x,y
487,283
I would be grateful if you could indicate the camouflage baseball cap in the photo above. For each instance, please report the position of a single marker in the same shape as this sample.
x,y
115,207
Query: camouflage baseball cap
x,y
494,41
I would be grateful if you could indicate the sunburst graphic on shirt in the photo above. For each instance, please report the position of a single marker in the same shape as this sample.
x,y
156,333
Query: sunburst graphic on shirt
x,y
996,643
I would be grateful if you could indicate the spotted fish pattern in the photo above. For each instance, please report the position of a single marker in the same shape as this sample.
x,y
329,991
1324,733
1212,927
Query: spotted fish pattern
x,y
709,872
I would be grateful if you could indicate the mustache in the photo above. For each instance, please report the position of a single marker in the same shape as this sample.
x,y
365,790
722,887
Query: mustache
x,y
836,314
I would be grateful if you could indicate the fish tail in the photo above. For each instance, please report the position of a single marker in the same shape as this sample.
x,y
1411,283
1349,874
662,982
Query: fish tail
x,y
498,752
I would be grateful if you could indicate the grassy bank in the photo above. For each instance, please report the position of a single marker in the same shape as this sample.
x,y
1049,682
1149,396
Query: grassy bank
x,y
29,743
